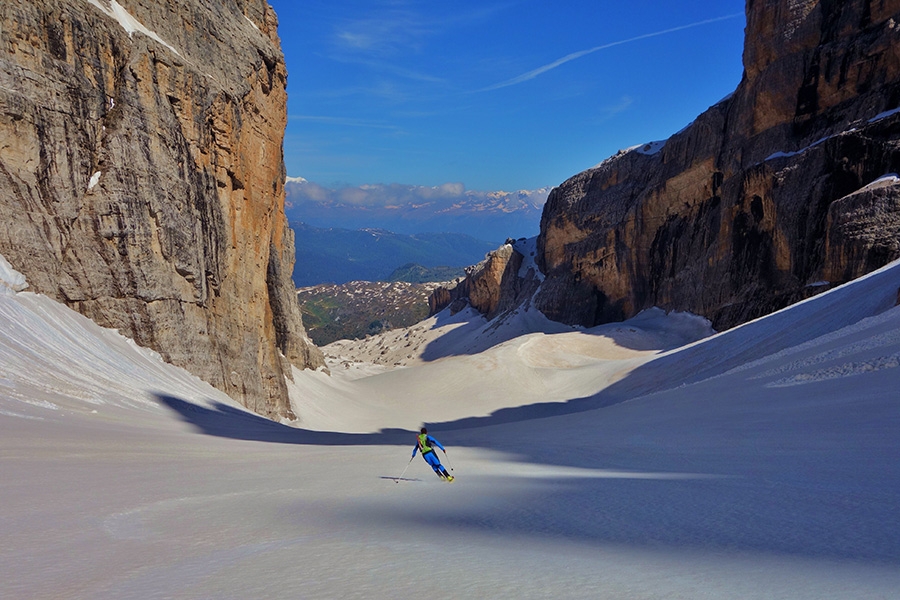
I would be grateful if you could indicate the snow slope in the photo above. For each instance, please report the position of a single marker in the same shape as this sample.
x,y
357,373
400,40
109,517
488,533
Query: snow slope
x,y
757,463
453,367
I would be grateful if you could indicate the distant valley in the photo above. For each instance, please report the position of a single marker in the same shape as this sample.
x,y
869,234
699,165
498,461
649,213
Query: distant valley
x,y
336,256
355,283
368,256
358,309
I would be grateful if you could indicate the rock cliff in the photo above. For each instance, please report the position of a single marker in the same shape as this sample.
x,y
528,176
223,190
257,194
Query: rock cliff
x,y
499,283
776,193
142,179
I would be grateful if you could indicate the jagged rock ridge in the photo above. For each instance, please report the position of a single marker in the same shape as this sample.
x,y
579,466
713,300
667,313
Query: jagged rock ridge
x,y
142,179
762,200
783,189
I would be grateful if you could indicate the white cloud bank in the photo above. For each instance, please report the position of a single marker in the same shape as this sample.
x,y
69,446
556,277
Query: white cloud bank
x,y
412,209
444,196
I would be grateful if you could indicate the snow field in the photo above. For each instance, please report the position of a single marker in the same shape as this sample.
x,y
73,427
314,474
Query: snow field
x,y
755,463
467,367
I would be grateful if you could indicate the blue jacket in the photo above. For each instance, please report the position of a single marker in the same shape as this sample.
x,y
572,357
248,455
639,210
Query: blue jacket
x,y
430,442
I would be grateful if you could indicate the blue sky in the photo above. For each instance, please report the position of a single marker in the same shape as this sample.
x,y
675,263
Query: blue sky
x,y
516,94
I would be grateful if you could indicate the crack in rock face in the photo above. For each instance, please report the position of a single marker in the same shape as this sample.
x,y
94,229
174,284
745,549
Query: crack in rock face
x,y
142,180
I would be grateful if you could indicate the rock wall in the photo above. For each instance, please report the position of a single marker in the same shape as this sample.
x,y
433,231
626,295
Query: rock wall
x,y
492,287
142,179
760,202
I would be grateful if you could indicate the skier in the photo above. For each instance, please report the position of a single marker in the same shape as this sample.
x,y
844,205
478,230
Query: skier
x,y
426,444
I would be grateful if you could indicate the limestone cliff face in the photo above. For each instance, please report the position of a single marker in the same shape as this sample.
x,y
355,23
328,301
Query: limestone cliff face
x,y
763,200
492,287
142,179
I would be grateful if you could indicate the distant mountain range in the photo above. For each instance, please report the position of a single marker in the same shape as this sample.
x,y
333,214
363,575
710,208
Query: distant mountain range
x,y
337,256
408,209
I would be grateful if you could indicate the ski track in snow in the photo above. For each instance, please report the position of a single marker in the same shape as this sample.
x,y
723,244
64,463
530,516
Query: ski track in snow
x,y
843,370
872,342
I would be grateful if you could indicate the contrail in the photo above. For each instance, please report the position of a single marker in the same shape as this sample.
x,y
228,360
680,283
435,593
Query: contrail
x,y
570,57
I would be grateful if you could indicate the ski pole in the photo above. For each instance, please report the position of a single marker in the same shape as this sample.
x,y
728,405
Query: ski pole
x,y
447,458
397,480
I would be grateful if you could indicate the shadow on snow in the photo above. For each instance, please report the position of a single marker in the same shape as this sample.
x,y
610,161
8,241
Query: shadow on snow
x,y
226,421
830,497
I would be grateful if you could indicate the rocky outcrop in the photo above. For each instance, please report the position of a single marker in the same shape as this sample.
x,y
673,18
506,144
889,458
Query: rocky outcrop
x,y
762,200
495,285
142,179
863,230
440,298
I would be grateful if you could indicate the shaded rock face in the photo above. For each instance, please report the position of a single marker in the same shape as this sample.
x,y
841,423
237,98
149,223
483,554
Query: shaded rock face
x,y
142,179
759,202
863,230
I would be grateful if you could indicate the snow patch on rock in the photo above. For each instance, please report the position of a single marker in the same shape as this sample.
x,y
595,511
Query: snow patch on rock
x,y
884,115
527,247
11,281
650,148
883,181
95,179
128,22
249,20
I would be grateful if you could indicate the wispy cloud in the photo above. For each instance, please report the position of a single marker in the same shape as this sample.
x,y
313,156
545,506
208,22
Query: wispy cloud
x,y
609,112
343,121
576,55
405,27
389,68
392,32
380,45
385,41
